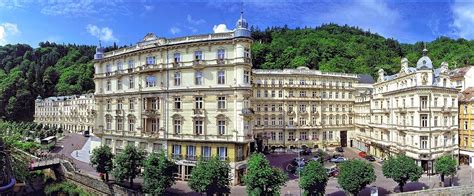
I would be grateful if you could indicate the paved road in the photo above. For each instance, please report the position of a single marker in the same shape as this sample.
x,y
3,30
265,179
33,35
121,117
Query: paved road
x,y
70,143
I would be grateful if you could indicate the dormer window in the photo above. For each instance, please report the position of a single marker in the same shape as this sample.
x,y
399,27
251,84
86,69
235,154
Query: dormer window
x,y
198,55
150,60
108,68
220,54
177,57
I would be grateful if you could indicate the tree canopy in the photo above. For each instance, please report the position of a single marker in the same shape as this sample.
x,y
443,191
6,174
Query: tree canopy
x,y
211,176
401,169
355,175
101,159
314,179
158,173
445,166
261,178
128,164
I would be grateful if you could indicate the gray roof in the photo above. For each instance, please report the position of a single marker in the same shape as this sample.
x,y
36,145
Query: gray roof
x,y
365,79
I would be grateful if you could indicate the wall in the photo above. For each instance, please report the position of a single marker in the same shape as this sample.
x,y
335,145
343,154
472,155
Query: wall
x,y
458,191
98,187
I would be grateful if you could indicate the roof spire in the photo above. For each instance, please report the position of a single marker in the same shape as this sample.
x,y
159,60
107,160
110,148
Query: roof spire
x,y
424,49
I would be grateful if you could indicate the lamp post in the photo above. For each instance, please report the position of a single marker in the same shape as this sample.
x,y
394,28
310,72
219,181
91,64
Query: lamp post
x,y
299,166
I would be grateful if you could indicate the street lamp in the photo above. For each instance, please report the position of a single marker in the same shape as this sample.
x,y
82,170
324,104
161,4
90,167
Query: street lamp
x,y
299,165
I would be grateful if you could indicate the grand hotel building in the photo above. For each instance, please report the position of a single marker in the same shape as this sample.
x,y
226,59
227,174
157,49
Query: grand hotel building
x,y
189,96
414,112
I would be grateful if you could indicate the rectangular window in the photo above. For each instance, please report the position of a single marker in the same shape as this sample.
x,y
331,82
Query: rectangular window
x,y
177,78
176,151
177,57
131,104
177,103
198,55
303,136
108,85
198,103
150,60
191,152
424,102
119,104
108,123
206,152
198,127
131,82
246,77
198,78
280,136
221,127
221,77
220,54
177,126
221,103
119,66
131,64
291,135
154,103
424,120
150,81
119,84
131,124
120,124
424,142
222,153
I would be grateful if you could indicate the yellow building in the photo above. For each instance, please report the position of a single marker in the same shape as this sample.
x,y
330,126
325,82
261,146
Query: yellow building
x,y
466,125
189,96
302,107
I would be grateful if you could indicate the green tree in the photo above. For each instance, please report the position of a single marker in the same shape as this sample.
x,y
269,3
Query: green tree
x,y
314,179
355,175
261,178
446,166
128,164
101,159
211,177
158,173
401,169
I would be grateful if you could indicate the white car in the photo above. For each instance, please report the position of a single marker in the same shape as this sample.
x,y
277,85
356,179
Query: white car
x,y
338,159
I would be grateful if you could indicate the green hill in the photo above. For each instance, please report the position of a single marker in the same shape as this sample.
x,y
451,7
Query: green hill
x,y
54,69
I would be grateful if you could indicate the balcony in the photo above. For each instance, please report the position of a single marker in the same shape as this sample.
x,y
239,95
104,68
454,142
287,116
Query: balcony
x,y
119,112
247,112
199,112
198,63
176,64
290,112
247,60
220,61
130,70
151,113
191,157
176,156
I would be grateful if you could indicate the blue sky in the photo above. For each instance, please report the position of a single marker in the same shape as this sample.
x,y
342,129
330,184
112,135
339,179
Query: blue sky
x,y
127,21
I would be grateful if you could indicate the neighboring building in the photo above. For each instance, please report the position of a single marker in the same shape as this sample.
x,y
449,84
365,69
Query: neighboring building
x,y
466,126
462,78
75,113
189,96
363,95
302,107
413,112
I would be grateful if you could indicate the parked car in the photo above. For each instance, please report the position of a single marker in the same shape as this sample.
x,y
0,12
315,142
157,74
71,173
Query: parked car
x,y
338,160
339,149
305,151
336,156
332,172
362,154
370,158
296,163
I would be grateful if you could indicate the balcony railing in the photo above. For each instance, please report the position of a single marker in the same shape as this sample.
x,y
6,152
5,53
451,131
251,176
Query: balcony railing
x,y
191,157
198,112
151,112
220,61
176,64
247,112
198,63
177,156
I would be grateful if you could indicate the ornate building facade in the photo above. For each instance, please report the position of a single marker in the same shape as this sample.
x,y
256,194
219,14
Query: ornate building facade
x,y
189,96
75,113
302,107
466,126
413,112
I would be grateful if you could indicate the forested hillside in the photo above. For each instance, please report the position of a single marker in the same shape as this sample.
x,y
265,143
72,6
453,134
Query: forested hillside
x,y
348,49
53,69
48,70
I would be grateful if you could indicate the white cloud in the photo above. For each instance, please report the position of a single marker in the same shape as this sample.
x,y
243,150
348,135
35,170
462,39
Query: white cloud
x,y
105,33
175,30
195,21
149,7
463,22
7,30
375,15
220,28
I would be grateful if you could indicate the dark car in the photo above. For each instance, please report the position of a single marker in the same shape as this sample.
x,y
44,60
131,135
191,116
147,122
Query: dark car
x,y
370,158
339,149
336,156
332,172
305,151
